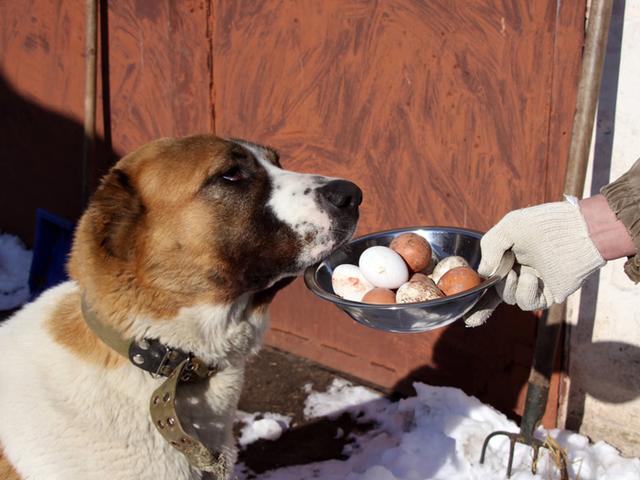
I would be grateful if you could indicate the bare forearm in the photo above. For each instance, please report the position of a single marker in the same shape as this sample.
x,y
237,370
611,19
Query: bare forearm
x,y
609,234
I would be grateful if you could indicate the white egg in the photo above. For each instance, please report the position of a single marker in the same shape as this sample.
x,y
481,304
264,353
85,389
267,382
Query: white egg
x,y
383,267
348,282
447,264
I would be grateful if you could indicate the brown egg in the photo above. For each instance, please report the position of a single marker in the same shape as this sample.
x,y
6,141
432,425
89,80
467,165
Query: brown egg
x,y
414,249
380,296
447,264
421,277
458,280
428,270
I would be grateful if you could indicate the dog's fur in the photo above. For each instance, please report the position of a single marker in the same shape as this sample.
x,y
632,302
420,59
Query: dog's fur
x,y
186,240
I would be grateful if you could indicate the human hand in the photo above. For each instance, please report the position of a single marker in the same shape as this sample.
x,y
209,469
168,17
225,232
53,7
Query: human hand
x,y
554,255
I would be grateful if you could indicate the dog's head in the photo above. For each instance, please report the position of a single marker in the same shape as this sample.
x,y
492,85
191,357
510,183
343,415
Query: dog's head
x,y
208,218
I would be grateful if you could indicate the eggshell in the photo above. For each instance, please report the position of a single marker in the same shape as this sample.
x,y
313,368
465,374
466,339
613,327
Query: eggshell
x,y
458,280
414,249
429,268
383,267
349,283
380,296
447,264
421,277
414,291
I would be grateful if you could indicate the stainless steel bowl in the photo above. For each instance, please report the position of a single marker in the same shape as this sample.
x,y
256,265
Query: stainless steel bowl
x,y
408,317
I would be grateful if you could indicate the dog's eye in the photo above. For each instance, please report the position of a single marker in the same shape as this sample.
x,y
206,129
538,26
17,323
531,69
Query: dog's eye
x,y
234,174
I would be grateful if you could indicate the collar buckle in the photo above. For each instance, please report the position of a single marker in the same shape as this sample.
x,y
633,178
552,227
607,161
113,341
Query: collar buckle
x,y
161,371
179,367
156,358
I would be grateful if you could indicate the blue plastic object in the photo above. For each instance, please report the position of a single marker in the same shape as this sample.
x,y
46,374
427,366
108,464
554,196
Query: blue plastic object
x,y
51,247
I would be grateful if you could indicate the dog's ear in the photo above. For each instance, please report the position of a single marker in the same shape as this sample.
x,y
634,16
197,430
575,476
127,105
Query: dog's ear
x,y
116,211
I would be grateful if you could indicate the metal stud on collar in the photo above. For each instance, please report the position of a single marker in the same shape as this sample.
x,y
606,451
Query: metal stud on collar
x,y
166,420
180,367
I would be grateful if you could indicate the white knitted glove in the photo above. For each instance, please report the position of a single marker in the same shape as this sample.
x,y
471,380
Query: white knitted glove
x,y
554,256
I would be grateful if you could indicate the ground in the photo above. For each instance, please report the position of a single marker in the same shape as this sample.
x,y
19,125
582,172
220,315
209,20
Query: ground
x,y
275,382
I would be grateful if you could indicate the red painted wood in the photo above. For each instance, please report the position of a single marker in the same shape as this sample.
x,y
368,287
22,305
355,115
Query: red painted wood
x,y
444,112
160,79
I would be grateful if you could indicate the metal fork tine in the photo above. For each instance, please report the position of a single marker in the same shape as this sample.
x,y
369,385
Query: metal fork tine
x,y
534,465
512,446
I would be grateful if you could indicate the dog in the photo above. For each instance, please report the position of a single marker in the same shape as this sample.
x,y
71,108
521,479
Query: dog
x,y
179,253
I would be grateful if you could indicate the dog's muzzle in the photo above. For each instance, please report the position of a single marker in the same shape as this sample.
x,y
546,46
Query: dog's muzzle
x,y
340,196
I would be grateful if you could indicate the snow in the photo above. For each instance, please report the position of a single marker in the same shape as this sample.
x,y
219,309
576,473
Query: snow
x,y
435,435
339,397
267,426
15,261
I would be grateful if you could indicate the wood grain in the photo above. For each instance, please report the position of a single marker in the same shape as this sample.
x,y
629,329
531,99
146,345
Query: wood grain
x,y
445,112
160,70
445,103
160,79
41,94
441,111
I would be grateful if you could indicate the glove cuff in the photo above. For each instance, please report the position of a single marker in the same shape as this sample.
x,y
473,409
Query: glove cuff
x,y
571,256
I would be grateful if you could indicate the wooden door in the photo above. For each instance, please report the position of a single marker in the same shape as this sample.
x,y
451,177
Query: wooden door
x,y
445,112
155,57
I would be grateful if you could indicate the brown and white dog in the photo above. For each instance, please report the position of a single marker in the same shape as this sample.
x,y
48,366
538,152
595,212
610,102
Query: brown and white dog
x,y
185,241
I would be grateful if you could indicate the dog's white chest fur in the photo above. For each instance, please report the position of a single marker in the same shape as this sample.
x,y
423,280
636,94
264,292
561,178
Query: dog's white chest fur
x,y
64,418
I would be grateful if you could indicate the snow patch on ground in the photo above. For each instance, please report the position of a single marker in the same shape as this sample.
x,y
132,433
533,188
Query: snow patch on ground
x,y
340,397
15,262
438,435
267,426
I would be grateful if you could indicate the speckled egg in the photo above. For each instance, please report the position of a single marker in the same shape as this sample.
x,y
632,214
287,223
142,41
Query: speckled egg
x,y
349,283
414,249
416,291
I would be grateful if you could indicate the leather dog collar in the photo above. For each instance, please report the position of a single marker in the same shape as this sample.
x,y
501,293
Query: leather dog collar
x,y
147,354
180,367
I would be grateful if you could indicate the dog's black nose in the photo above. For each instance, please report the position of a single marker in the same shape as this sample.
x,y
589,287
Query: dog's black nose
x,y
341,194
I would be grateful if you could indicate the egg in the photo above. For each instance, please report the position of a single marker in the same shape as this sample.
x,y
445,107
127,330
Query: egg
x,y
458,280
447,264
429,268
383,267
349,283
414,249
380,296
421,277
416,291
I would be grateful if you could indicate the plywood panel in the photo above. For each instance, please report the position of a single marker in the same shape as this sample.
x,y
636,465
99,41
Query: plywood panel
x,y
442,104
159,59
440,111
41,92
445,112
160,70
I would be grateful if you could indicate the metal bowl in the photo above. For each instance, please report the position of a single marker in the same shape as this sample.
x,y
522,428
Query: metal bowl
x,y
407,317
